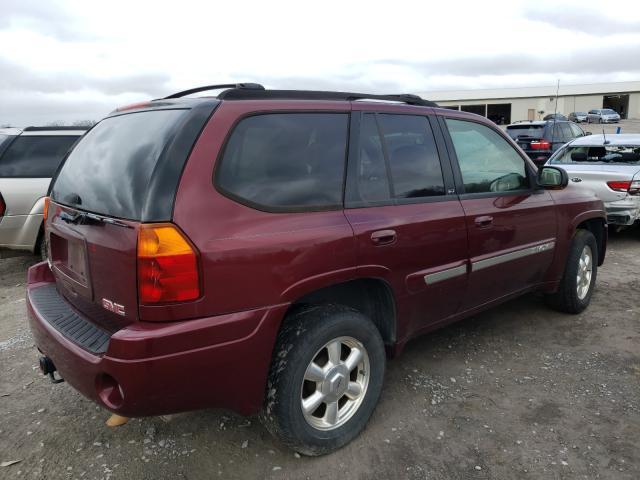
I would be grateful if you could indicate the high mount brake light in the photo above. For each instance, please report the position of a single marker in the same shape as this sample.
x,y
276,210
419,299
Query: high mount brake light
x,y
540,145
167,265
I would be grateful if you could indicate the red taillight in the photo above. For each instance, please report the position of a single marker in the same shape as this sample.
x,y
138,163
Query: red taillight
x,y
620,185
167,265
3,206
540,145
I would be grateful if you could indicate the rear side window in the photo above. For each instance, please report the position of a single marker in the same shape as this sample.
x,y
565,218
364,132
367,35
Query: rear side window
x,y
397,160
108,172
488,163
413,158
286,161
525,131
35,156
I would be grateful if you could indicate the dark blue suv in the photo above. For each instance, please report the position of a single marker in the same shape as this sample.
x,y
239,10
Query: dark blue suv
x,y
539,139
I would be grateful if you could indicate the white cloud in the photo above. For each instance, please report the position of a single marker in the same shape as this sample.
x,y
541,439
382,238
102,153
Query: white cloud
x,y
54,54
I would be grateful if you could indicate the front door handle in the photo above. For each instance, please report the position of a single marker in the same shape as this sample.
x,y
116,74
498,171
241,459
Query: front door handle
x,y
483,221
383,237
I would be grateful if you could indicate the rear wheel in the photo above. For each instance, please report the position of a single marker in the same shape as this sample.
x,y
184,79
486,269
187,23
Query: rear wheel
x,y
325,379
576,287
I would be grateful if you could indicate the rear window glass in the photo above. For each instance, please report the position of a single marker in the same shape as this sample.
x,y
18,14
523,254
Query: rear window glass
x,y
286,161
522,131
35,156
109,170
599,155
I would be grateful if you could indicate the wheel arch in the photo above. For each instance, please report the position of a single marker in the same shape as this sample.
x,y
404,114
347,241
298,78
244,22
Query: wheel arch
x,y
598,227
371,296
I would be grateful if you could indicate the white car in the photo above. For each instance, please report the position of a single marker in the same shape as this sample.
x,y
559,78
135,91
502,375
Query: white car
x,y
28,159
609,165
602,115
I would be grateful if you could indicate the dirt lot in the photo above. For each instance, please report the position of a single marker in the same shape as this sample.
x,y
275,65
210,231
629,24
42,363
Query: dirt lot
x,y
518,392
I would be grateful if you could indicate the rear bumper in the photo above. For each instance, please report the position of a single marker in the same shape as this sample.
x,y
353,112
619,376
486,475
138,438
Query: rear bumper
x,y
20,232
623,212
160,368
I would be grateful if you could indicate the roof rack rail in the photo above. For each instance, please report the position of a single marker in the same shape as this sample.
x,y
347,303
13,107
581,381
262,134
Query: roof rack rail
x,y
235,86
262,94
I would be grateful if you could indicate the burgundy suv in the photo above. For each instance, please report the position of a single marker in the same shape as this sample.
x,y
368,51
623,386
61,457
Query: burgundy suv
x,y
267,250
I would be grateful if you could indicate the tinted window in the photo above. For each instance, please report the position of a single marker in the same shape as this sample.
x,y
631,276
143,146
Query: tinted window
x,y
567,134
109,170
526,130
488,163
35,156
413,158
287,161
371,183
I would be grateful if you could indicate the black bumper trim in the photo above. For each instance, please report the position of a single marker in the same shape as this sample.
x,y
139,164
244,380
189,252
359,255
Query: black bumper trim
x,y
55,310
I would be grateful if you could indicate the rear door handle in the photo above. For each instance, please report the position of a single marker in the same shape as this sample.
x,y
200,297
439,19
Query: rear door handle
x,y
483,221
383,237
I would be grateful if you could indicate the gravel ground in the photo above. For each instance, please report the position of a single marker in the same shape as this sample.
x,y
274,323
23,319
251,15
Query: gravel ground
x,y
519,392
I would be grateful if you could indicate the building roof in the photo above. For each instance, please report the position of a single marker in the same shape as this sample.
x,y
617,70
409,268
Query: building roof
x,y
526,92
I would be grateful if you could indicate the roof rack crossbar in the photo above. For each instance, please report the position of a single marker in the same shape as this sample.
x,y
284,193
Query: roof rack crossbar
x,y
261,94
238,86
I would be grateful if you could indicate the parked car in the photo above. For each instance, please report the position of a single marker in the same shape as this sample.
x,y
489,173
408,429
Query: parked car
x,y
578,117
555,116
267,249
28,159
539,139
610,167
603,115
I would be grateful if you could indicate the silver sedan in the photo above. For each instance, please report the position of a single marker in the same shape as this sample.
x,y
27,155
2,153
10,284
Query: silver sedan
x,y
609,166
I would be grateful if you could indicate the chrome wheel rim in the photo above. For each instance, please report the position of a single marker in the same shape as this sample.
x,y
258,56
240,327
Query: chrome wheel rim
x,y
335,383
585,271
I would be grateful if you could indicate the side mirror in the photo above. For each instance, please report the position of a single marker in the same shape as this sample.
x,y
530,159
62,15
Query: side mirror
x,y
587,133
553,178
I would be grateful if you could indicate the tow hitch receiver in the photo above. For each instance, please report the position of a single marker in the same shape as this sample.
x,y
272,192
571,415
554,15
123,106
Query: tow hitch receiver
x,y
48,368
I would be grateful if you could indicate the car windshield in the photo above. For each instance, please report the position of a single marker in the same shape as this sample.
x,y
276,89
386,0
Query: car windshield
x,y
598,155
608,111
580,113
525,130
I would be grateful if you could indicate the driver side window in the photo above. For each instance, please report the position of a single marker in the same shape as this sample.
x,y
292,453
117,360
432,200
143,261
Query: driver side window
x,y
488,163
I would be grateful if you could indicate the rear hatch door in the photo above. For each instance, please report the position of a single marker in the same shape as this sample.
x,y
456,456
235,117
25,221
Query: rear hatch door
x,y
524,134
98,200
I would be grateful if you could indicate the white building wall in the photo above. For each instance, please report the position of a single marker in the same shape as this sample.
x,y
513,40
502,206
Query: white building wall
x,y
566,104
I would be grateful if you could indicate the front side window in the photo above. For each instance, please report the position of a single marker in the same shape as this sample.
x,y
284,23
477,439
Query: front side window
x,y
488,163
35,156
286,161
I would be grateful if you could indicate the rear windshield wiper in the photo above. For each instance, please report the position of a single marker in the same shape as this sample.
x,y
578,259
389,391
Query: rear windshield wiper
x,y
80,218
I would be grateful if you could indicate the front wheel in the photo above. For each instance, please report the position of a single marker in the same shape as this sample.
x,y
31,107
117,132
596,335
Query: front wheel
x,y
325,379
578,282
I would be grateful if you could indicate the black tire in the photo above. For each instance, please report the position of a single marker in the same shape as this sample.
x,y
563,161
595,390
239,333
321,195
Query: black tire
x,y
304,333
41,248
566,299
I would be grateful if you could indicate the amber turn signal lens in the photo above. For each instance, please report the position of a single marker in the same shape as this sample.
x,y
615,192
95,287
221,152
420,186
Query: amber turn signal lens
x,y
46,210
167,265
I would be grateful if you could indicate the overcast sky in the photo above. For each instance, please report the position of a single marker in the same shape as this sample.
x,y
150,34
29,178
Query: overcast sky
x,y
77,60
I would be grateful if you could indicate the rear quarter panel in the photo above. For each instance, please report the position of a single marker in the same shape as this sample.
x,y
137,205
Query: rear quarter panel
x,y
250,258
